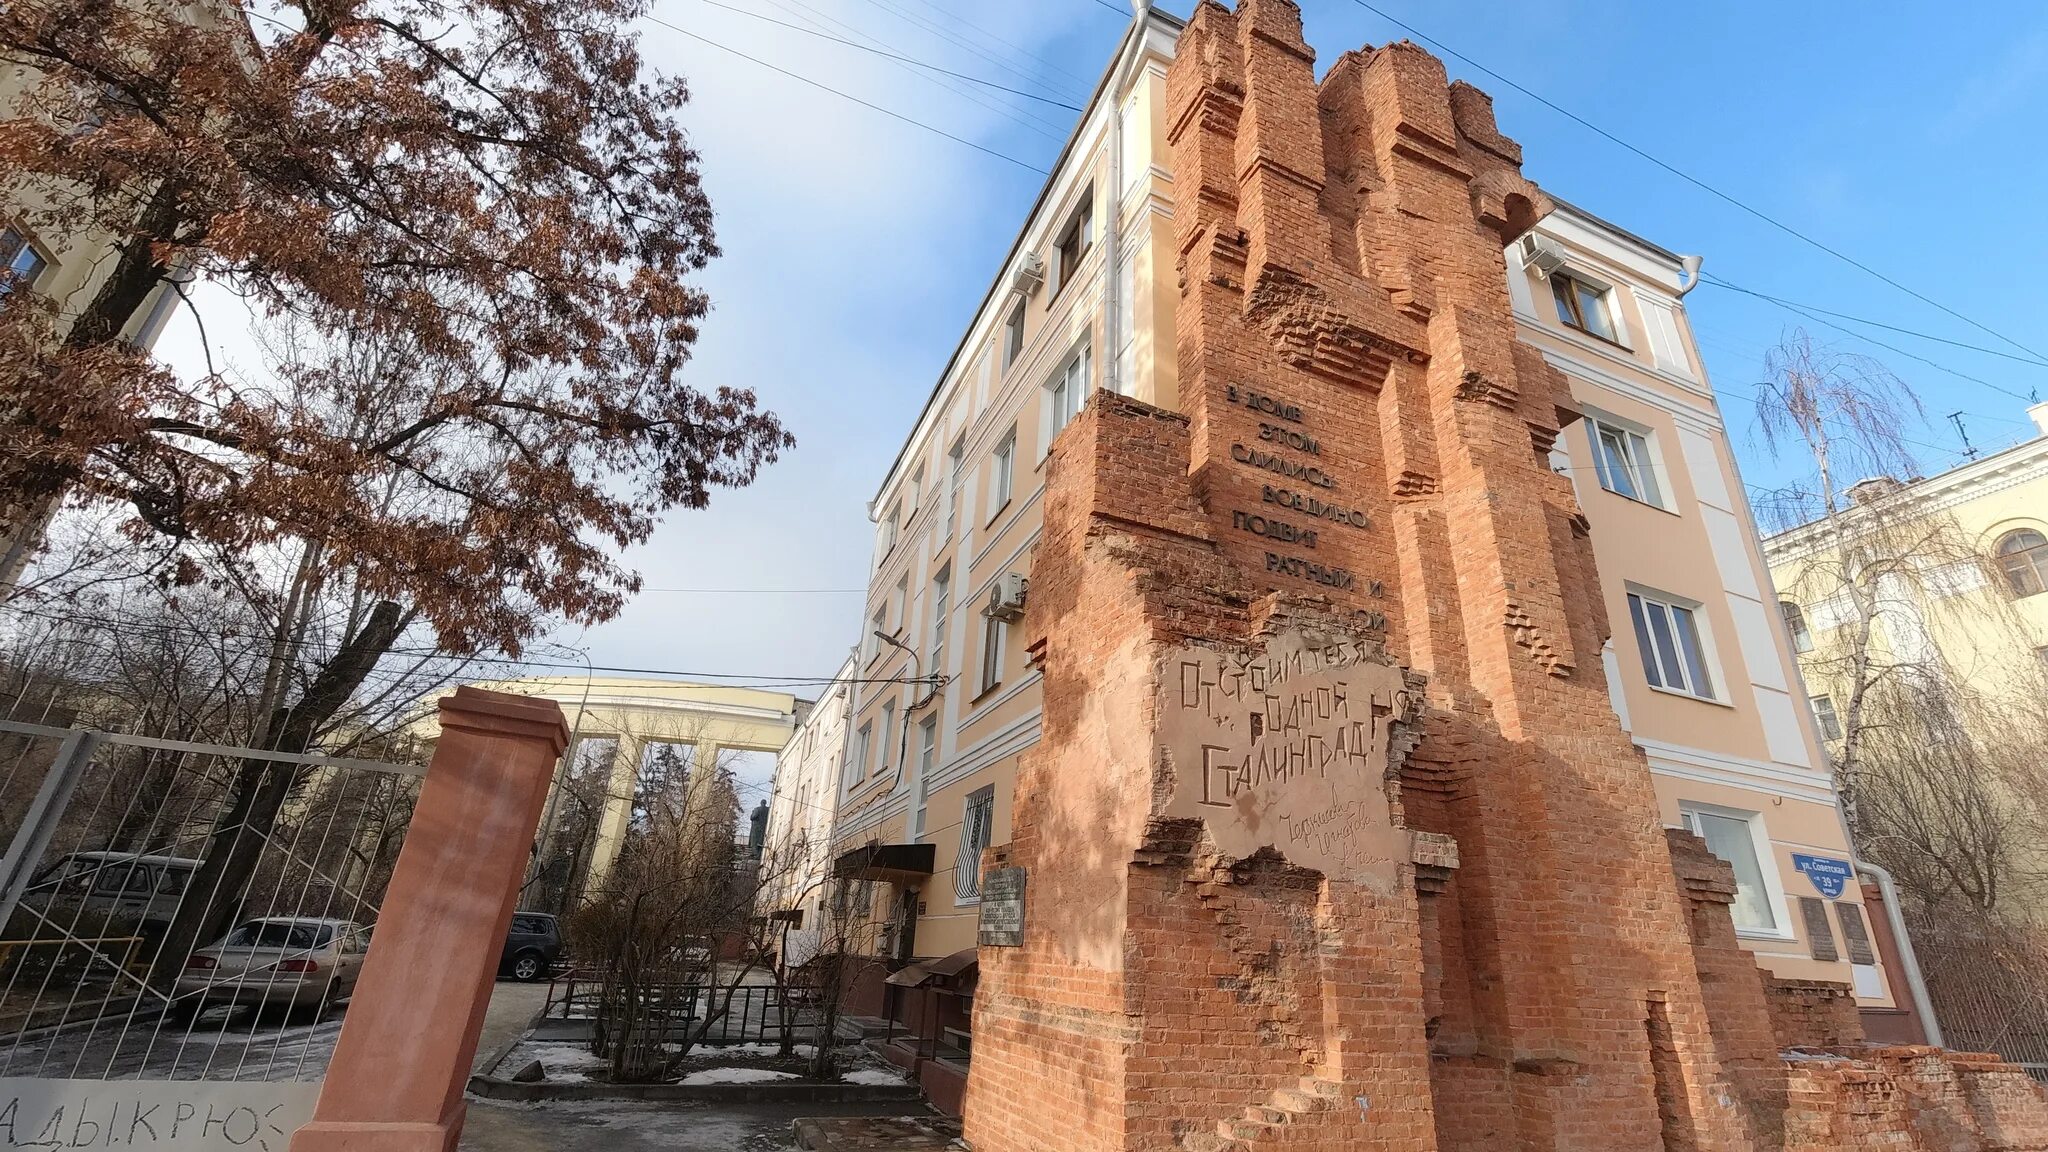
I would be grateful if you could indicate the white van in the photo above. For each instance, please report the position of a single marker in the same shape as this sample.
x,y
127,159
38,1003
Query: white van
x,y
116,884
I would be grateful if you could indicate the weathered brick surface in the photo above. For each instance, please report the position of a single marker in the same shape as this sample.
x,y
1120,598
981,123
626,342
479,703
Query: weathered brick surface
x,y
1548,971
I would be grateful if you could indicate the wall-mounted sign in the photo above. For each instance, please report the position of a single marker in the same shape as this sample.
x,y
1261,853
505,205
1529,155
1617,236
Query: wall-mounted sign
x,y
1829,875
1002,909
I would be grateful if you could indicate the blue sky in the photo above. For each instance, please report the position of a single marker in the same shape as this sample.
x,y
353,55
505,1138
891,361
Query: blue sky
x,y
857,245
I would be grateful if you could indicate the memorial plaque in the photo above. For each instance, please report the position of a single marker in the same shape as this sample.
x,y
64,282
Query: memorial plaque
x,y
1288,748
1002,909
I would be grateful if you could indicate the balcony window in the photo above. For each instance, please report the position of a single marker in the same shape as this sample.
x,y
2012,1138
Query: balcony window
x,y
1013,334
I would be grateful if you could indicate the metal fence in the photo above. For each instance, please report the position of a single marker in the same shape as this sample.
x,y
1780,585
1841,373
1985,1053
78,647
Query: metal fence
x,y
1988,992
743,1014
178,911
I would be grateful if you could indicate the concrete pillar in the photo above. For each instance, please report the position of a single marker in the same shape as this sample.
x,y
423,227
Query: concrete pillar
x,y
395,1083
618,811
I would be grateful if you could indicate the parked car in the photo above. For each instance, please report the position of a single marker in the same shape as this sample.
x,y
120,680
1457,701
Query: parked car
x,y
288,962
142,889
533,947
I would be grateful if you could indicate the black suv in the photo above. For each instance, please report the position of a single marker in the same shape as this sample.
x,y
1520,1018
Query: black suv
x,y
533,947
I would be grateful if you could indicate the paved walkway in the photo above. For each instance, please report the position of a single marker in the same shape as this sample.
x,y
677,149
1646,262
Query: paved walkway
x,y
513,1007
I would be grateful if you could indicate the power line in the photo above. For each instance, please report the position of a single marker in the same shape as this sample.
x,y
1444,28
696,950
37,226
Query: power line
x,y
764,591
1694,180
849,96
893,56
1713,281
1049,62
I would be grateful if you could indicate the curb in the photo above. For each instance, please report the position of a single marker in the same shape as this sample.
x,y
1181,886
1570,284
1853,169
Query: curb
x,y
494,1088
496,1056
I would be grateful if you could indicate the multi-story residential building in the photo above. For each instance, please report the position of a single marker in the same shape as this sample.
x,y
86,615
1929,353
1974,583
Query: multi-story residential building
x,y
1698,671
797,848
1951,571
69,269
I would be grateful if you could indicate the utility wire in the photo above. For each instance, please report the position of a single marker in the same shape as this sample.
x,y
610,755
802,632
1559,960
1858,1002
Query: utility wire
x,y
1713,281
1026,165
883,52
1694,180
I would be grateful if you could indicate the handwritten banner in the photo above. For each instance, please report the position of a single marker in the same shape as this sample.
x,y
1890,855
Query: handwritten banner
x,y
159,1115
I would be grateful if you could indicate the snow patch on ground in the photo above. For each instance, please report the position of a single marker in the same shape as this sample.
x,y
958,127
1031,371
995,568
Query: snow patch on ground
x,y
873,1076
756,1049
563,1063
737,1076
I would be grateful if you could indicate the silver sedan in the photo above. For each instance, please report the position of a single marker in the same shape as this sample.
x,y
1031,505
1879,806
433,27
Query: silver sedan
x,y
288,962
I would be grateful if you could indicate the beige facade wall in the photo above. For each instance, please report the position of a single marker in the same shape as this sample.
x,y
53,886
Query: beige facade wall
x,y
1748,752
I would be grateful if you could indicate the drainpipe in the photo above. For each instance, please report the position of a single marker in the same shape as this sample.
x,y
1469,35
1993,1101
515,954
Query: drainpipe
x,y
1907,960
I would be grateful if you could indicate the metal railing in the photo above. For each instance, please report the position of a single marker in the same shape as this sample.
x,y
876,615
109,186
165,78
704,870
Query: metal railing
x,y
172,910
751,1013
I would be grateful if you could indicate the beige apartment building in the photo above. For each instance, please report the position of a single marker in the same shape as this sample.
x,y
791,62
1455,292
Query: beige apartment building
x,y
68,268
797,847
1700,672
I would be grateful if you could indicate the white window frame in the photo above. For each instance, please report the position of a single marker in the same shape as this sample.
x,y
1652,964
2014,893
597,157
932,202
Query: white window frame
x,y
1610,310
977,831
899,605
870,644
1013,334
888,720
927,761
942,605
991,655
1689,812
857,764
1644,604
956,463
1065,392
17,249
1081,224
1797,630
1640,465
1003,473
916,489
891,528
1825,717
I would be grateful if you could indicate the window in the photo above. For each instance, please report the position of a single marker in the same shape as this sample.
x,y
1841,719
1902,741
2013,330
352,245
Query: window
x,y
871,644
917,490
955,458
1733,837
888,757
1004,469
1013,334
1622,458
1795,627
1669,637
927,759
898,601
977,826
889,520
991,653
1582,306
1067,389
1824,715
1075,241
857,764
20,262
942,604
2024,557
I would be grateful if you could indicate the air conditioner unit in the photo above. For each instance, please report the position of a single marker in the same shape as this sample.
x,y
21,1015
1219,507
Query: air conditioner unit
x,y
1006,598
1538,254
1029,275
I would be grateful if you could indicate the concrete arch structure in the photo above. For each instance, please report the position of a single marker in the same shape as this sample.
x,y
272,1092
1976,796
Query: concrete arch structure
x,y
638,712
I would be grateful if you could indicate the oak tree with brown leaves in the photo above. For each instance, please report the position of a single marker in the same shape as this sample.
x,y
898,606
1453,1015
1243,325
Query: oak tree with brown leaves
x,y
480,217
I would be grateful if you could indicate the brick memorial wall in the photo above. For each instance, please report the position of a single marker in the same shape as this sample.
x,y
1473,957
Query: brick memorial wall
x,y
1331,837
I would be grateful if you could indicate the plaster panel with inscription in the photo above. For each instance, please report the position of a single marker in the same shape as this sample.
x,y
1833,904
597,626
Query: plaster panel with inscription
x,y
1288,748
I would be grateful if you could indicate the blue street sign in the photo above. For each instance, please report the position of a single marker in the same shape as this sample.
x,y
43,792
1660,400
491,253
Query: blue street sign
x,y
1829,875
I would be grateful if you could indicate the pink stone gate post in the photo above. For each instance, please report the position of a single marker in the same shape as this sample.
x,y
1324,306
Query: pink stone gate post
x,y
396,1081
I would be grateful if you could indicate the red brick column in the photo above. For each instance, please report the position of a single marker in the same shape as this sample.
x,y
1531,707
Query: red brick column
x,y
395,1083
